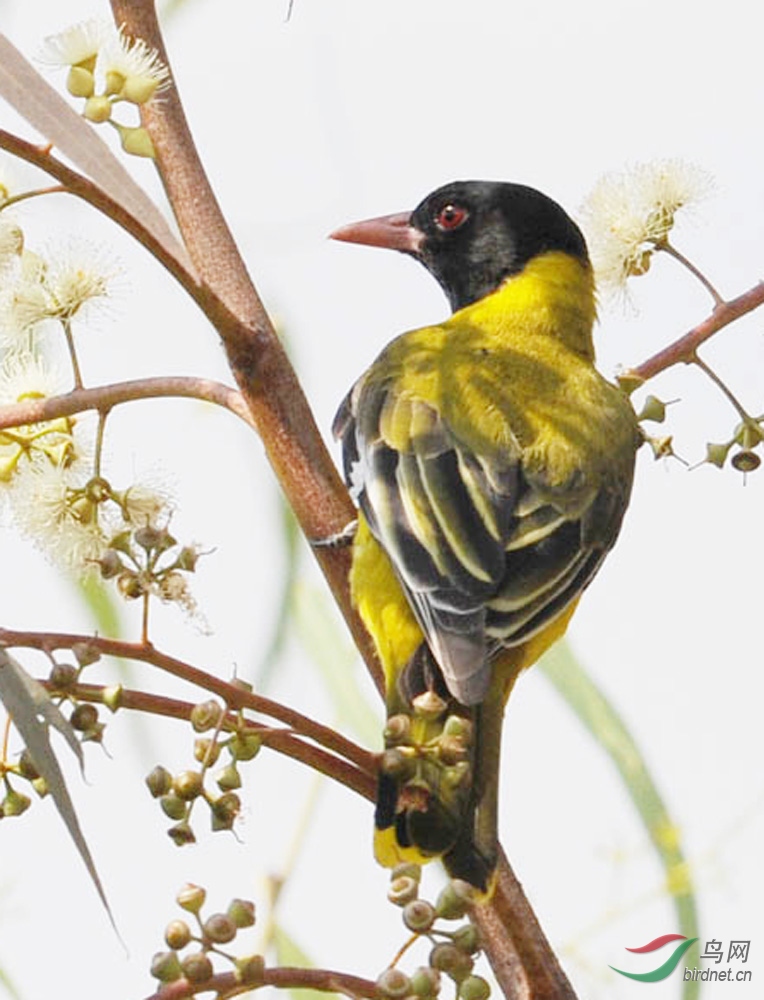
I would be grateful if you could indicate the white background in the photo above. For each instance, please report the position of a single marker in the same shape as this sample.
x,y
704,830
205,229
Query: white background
x,y
352,109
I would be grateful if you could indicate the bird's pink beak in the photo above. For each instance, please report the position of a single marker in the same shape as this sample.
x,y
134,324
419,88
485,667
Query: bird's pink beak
x,y
393,232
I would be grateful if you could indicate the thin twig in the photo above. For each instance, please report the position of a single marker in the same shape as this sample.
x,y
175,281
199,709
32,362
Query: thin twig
x,y
233,696
225,984
104,397
683,350
283,741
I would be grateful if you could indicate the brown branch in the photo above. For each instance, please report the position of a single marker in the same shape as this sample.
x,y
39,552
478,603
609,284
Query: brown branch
x,y
522,960
684,349
104,397
281,740
225,984
232,695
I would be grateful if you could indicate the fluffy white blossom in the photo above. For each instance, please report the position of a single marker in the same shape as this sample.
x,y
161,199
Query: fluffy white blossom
x,y
629,215
77,45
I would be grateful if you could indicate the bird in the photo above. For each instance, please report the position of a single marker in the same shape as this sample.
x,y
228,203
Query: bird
x,y
491,465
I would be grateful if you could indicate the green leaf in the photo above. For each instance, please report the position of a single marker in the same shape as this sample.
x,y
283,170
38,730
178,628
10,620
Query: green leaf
x,y
595,711
33,712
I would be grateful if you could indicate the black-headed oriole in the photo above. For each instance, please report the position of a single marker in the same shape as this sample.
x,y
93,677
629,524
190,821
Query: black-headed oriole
x,y
492,465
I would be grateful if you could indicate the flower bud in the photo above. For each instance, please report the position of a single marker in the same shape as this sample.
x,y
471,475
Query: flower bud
x,y
206,715
191,897
397,729
716,454
182,834
403,890
188,785
165,967
455,899
80,82
474,988
426,982
244,745
653,409
419,915
177,934
394,984
447,958
242,912
429,705
220,928
159,782
197,967
63,676
139,89
745,461
84,717
173,806
206,751
249,969
228,779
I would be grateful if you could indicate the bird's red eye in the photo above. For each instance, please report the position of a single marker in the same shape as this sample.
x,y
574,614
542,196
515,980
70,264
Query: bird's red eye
x,y
450,217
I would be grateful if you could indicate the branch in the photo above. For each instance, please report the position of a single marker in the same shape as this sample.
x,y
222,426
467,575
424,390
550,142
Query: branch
x,y
522,960
232,695
105,397
685,348
281,740
227,985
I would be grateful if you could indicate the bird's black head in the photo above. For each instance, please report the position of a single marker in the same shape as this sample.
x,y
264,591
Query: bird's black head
x,y
477,233
471,235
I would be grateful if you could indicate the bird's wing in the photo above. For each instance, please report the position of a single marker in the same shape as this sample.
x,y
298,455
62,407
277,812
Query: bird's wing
x,y
442,514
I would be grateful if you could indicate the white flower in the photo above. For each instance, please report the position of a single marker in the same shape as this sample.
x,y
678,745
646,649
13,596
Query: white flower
x,y
629,215
142,505
133,70
78,44
11,236
50,509
26,375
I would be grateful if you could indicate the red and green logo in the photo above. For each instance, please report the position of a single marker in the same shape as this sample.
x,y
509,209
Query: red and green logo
x,y
668,966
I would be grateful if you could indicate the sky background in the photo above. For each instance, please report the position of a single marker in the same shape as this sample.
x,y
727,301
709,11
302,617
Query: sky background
x,y
352,109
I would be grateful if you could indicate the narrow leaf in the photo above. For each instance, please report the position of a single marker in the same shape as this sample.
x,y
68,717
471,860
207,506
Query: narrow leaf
x,y
47,111
33,712
600,717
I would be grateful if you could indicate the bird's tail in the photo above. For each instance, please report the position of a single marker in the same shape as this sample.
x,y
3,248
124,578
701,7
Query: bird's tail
x,y
438,776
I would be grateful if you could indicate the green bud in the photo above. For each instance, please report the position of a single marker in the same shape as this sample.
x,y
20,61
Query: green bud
x,y
191,897
206,715
197,968
629,381
448,958
395,763
242,912
454,900
466,939
206,751
394,984
452,750
177,934
159,782
80,82
403,890
244,745
716,454
188,785
14,803
139,89
165,967
474,988
97,109
219,928
136,141
425,982
419,915
225,810
250,969
397,729
748,434
40,785
112,697
653,409
85,654
173,806
114,82
429,705
228,779
181,834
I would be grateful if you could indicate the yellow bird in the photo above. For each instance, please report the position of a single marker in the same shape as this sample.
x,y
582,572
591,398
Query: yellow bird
x,y
492,465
